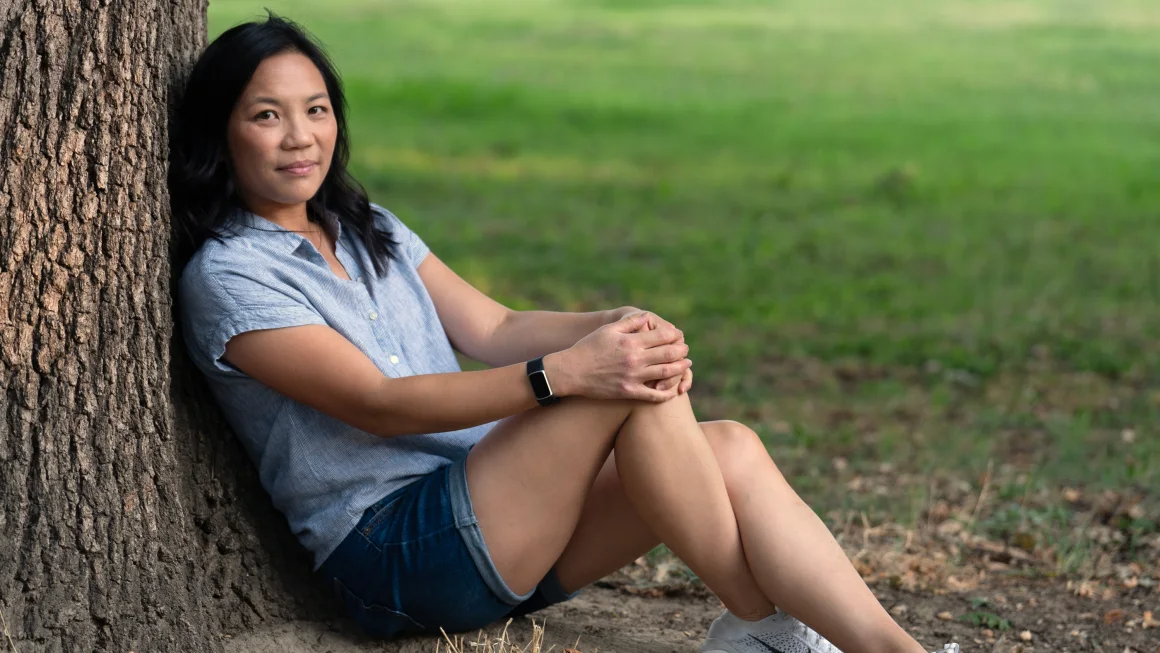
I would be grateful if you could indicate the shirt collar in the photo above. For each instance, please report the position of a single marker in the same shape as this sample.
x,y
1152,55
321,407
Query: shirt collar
x,y
252,225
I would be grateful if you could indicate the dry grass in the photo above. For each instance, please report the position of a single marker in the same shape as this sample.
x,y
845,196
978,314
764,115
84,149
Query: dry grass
x,y
501,644
7,635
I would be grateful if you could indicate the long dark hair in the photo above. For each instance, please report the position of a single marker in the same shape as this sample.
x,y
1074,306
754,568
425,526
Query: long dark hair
x,y
202,190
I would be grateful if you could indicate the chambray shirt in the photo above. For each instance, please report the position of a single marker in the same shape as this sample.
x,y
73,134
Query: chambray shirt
x,y
320,472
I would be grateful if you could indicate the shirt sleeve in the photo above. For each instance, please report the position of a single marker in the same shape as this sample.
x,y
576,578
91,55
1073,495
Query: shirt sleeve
x,y
413,248
218,303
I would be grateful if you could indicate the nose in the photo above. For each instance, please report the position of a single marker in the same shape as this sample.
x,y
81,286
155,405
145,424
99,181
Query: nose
x,y
297,134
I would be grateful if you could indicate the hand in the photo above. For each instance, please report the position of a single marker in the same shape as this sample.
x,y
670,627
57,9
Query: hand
x,y
619,359
683,382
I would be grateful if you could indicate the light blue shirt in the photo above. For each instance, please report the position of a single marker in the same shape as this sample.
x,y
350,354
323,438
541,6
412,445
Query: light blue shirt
x,y
320,472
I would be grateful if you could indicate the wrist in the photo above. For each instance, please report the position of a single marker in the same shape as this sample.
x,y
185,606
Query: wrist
x,y
614,314
556,367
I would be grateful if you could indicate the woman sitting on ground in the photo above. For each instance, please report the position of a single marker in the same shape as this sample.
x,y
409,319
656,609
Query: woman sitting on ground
x,y
436,498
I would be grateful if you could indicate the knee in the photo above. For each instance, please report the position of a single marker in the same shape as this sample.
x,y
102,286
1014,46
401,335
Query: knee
x,y
736,446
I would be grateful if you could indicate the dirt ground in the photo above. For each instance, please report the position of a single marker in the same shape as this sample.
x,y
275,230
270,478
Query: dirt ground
x,y
941,578
616,617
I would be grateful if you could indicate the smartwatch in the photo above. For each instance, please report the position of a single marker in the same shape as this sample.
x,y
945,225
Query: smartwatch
x,y
539,380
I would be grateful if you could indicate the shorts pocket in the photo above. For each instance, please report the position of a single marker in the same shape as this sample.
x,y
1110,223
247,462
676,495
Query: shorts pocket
x,y
375,620
381,514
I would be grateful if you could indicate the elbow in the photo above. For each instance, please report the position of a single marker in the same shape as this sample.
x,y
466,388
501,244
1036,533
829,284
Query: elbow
x,y
485,344
374,412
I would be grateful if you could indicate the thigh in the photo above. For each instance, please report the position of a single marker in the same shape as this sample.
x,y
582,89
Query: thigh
x,y
529,477
610,533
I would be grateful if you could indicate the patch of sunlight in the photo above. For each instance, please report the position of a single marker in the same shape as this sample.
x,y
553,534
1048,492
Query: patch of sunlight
x,y
851,15
906,17
525,167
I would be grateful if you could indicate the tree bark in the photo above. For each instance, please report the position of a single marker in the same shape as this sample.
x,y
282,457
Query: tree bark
x,y
130,519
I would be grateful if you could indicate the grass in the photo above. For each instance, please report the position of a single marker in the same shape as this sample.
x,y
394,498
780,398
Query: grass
x,y
502,643
7,635
921,234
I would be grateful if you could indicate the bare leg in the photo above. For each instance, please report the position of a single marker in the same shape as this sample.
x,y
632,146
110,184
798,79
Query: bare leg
x,y
530,476
611,534
663,463
791,553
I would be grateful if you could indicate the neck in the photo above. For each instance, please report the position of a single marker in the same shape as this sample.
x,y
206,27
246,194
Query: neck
x,y
291,217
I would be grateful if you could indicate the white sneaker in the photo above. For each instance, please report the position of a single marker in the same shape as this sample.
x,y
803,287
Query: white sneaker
x,y
777,633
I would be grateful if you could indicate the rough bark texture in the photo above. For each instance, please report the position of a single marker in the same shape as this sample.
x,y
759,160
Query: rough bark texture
x,y
130,519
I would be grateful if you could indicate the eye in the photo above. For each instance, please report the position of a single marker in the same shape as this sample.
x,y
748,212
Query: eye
x,y
265,115
320,110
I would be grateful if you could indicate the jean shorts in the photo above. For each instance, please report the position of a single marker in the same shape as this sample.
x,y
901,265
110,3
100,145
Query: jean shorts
x,y
416,562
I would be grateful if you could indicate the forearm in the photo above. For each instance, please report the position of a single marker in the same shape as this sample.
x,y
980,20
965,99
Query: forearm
x,y
525,335
436,403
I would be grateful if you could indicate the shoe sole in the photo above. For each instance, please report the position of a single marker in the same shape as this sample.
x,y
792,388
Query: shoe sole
x,y
714,645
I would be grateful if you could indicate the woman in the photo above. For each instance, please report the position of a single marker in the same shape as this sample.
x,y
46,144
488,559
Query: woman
x,y
433,497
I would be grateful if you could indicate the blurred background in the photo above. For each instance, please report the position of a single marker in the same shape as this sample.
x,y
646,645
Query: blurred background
x,y
914,244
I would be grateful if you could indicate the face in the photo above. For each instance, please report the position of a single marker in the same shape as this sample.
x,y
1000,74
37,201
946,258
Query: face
x,y
281,133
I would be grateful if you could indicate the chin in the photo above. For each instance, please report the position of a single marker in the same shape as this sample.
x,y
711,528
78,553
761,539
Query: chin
x,y
296,194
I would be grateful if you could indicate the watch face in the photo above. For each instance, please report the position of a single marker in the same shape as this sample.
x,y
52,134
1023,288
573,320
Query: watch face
x,y
540,385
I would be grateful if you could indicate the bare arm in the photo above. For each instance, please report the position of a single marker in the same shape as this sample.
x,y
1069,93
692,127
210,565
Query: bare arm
x,y
317,366
489,332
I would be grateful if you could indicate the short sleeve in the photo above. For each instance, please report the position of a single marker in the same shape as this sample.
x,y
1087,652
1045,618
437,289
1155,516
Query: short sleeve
x,y
219,302
413,248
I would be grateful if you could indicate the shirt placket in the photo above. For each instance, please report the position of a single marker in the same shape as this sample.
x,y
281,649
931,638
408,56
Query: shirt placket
x,y
393,351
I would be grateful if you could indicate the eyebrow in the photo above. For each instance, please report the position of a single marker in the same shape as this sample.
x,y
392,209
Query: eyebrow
x,y
270,100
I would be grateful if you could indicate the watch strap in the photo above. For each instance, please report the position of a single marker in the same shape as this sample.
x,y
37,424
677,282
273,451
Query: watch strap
x,y
538,377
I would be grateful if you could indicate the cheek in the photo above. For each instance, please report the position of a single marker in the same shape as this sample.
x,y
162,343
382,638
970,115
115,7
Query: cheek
x,y
250,153
326,140
329,136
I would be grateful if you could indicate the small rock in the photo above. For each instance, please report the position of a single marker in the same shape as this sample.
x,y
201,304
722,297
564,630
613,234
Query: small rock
x,y
1025,635
945,616
899,609
988,633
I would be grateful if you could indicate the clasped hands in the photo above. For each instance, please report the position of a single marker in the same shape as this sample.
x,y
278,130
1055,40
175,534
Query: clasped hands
x,y
635,355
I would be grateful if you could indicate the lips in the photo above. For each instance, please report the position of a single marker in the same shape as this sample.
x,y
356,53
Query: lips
x,y
299,167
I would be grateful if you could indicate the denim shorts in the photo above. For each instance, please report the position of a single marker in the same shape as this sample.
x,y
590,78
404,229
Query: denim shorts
x,y
416,562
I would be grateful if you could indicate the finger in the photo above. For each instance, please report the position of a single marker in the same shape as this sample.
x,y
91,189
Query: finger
x,y
663,354
631,323
654,396
666,370
672,382
659,336
686,382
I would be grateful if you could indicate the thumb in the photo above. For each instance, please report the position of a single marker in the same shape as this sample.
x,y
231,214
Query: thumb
x,y
631,323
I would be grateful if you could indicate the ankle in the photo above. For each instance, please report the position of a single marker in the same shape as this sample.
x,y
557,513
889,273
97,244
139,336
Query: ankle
x,y
895,642
756,614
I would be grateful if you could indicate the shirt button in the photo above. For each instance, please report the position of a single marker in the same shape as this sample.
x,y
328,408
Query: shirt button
x,y
394,360
358,278
374,315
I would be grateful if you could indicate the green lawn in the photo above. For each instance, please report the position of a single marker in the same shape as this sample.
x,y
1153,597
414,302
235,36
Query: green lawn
x,y
920,232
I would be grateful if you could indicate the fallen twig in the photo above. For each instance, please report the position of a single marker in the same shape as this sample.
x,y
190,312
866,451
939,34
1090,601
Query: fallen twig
x,y
4,624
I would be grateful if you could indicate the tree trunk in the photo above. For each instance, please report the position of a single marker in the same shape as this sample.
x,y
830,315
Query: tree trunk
x,y
130,519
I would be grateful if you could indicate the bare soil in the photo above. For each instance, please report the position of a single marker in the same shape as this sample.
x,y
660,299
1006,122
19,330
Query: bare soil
x,y
1043,615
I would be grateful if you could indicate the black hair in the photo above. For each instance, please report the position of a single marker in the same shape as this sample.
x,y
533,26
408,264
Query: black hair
x,y
203,193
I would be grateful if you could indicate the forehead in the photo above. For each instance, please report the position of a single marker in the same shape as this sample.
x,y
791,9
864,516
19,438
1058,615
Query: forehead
x,y
286,74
